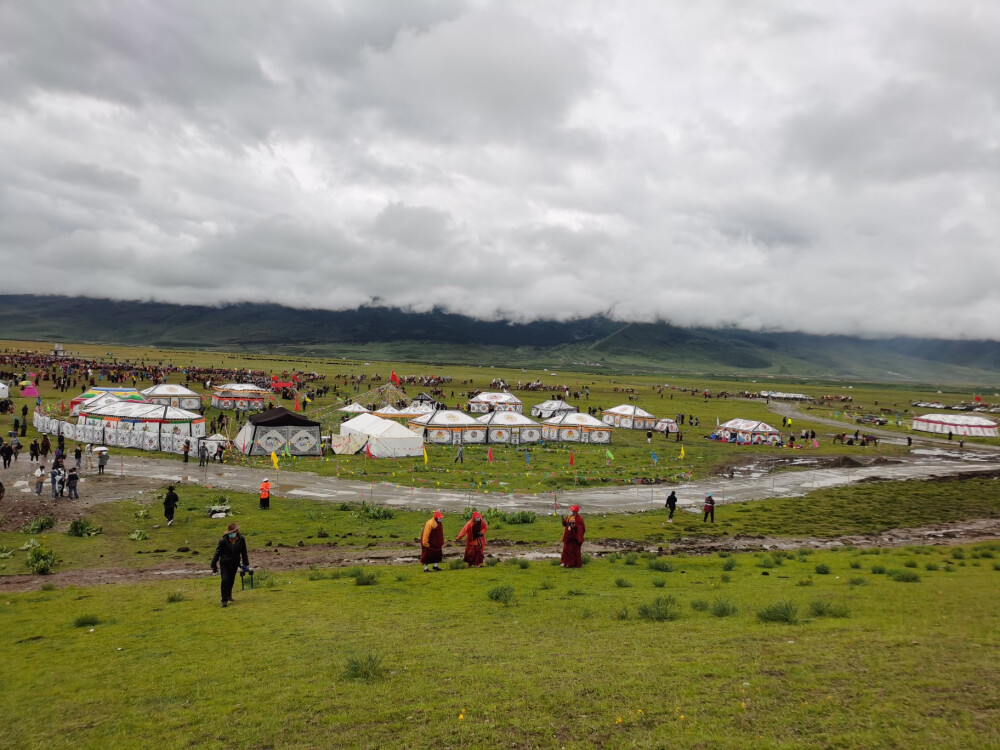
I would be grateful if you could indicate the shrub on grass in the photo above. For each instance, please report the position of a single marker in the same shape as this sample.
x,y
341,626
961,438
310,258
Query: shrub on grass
x,y
86,621
30,545
958,553
823,569
766,562
910,564
366,667
586,558
5,552
47,587
932,566
139,535
825,608
783,611
623,583
631,558
375,512
904,576
723,553
878,570
724,608
855,564
661,565
949,568
546,585
40,561
263,578
699,605
622,614
456,564
805,582
524,564
142,513
400,577
175,597
725,578
502,594
83,527
315,574
366,578
996,566
729,564
662,608
659,583
489,562
38,525
576,592
613,558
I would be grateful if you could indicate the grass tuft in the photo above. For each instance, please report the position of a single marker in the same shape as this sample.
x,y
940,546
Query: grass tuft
x,y
175,597
86,621
724,608
822,569
661,565
783,611
699,605
367,667
729,564
662,609
631,558
502,594
904,576
825,608
623,583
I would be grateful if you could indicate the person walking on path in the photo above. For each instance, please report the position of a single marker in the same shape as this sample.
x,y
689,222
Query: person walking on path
x,y
39,479
709,508
265,495
33,450
230,552
202,454
55,475
432,542
474,533
7,453
72,481
16,445
45,447
671,505
170,505
102,461
78,456
186,449
572,539
459,456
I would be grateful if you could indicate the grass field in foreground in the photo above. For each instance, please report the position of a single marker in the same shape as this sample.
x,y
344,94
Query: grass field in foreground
x,y
856,509
871,661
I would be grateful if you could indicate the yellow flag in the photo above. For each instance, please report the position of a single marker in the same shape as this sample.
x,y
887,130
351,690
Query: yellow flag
x,y
425,456
274,459
682,451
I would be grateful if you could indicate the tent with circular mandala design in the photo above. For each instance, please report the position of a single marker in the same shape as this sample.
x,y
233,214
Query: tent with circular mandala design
x,y
279,431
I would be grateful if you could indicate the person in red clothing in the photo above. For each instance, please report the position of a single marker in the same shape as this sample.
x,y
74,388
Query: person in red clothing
x,y
572,539
265,495
432,542
475,540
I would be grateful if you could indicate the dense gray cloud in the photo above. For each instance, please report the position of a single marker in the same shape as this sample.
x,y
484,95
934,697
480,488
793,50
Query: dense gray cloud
x,y
828,168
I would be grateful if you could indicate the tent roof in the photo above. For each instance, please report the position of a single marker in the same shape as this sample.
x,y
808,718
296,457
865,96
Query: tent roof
x,y
361,423
958,420
554,404
576,419
121,392
490,397
387,410
353,409
446,418
389,429
387,393
508,418
748,425
168,389
141,411
241,388
628,410
279,416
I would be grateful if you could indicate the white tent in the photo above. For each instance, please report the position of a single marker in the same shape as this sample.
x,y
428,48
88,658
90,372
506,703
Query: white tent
x,y
4,390
549,409
666,425
629,417
168,394
576,427
510,427
964,425
747,432
353,409
387,412
449,426
244,396
386,439
213,441
488,401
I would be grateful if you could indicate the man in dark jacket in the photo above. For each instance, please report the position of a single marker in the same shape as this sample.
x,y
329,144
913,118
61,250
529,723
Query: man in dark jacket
x,y
232,550
170,505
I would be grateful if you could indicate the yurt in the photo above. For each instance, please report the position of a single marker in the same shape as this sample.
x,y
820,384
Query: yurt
x,y
510,427
386,439
552,408
173,395
244,396
747,432
353,409
491,401
963,425
629,417
666,425
449,427
576,428
121,393
145,426
279,431
388,412
424,402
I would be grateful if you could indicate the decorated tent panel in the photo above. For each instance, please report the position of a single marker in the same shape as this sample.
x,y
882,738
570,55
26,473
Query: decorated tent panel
x,y
552,408
576,428
510,427
168,394
748,432
279,431
449,427
491,401
242,396
964,425
629,417
121,393
666,425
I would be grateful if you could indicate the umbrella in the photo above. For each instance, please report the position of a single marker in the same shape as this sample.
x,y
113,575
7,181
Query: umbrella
x,y
101,449
24,383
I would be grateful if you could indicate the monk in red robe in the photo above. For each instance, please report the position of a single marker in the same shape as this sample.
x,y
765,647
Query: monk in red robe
x,y
572,539
474,533
432,542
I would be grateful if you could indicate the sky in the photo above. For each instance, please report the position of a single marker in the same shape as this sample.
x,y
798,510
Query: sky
x,y
817,167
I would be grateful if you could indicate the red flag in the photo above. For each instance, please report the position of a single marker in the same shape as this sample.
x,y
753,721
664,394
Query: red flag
x,y
368,451
571,460
489,456
979,398
394,377
298,406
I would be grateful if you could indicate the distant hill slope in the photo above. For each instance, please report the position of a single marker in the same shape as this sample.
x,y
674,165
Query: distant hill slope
x,y
440,337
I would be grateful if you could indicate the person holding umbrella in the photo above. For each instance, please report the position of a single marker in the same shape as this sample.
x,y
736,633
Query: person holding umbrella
x,y
432,542
230,552
572,539
474,533
102,458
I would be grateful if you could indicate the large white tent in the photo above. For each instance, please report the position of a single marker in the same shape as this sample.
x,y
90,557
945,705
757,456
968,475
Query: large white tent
x,y
449,426
551,408
242,396
576,427
666,425
130,424
491,401
747,432
386,439
964,425
169,394
629,417
510,427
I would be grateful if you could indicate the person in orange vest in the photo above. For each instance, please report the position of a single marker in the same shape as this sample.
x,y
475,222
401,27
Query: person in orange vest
x,y
265,495
432,542
474,533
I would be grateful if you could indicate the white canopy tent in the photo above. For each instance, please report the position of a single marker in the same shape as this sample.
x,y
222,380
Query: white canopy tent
x,y
576,427
449,426
748,432
4,390
666,425
490,401
552,408
386,439
629,417
353,409
510,427
168,394
964,425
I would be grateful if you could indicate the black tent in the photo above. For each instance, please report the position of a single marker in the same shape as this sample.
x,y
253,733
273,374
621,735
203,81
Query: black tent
x,y
279,431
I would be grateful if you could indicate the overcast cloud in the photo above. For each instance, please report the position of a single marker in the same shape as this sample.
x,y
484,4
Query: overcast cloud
x,y
824,167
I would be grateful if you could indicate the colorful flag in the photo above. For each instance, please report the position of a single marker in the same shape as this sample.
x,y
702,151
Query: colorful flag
x,y
572,460
489,456
286,452
610,455
425,456
527,457
368,451
274,460
394,377
682,451
655,459
297,406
